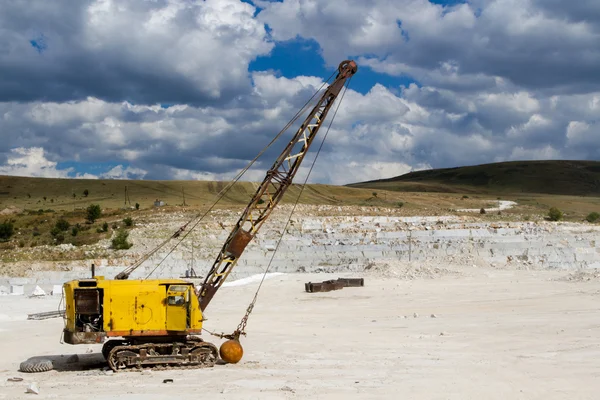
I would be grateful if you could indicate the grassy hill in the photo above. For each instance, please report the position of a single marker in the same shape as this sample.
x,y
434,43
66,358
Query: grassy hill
x,y
578,178
35,207
70,194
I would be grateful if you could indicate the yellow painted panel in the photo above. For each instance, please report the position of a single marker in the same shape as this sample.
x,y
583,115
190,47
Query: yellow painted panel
x,y
177,307
134,305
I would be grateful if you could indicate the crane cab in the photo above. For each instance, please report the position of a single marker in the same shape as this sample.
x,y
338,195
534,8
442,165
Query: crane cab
x,y
98,309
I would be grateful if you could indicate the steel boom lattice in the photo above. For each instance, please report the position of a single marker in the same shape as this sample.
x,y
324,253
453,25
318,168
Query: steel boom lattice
x,y
271,190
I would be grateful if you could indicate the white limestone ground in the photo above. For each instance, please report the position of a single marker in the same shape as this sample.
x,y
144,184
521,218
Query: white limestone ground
x,y
315,243
515,306
497,334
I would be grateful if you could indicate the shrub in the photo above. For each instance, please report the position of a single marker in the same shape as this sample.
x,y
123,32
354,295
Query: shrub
x,y
105,227
527,218
482,211
554,214
62,225
75,230
6,230
86,192
374,194
93,213
465,197
400,204
120,242
137,206
128,221
592,217
115,227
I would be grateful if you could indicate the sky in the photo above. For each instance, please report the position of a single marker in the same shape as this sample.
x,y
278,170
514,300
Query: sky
x,y
184,89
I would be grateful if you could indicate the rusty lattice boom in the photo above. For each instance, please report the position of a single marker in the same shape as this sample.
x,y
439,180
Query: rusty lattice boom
x,y
270,192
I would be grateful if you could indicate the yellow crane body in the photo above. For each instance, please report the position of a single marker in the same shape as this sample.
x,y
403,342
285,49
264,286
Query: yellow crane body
x,y
99,308
151,315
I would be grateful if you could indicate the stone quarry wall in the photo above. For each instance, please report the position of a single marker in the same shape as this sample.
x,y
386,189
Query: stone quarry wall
x,y
338,243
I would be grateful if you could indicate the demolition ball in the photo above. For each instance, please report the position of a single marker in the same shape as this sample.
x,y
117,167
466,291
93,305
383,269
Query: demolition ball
x,y
231,351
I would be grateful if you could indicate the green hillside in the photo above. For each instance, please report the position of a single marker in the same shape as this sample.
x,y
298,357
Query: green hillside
x,y
70,194
543,177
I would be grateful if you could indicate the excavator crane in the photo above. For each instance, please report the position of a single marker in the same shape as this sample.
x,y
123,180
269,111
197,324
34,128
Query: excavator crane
x,y
156,323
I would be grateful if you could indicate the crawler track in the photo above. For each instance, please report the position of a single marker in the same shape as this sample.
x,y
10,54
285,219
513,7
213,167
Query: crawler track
x,y
179,355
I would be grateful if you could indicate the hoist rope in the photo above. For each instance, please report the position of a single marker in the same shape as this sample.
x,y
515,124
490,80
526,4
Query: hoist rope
x,y
242,325
226,189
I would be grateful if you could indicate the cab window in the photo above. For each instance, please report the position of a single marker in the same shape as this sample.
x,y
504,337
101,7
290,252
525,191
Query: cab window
x,y
176,300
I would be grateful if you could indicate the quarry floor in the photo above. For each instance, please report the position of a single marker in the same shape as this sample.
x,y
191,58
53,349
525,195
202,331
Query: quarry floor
x,y
496,334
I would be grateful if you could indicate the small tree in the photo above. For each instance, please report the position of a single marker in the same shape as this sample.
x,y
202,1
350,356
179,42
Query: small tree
x,y
374,194
105,227
592,217
119,242
482,211
86,192
137,206
128,221
93,213
554,214
6,230
62,225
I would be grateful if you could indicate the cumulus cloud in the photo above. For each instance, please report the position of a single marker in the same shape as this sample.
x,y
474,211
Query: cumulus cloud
x,y
145,52
120,172
33,162
374,135
469,44
162,89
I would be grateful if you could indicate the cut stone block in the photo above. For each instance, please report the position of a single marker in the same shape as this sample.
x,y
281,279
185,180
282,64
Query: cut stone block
x,y
57,290
38,291
17,289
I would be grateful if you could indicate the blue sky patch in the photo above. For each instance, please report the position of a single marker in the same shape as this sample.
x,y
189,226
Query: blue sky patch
x,y
39,44
303,57
88,168
448,2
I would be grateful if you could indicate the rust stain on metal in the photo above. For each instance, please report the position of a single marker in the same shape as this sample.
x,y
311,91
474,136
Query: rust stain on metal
x,y
239,243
